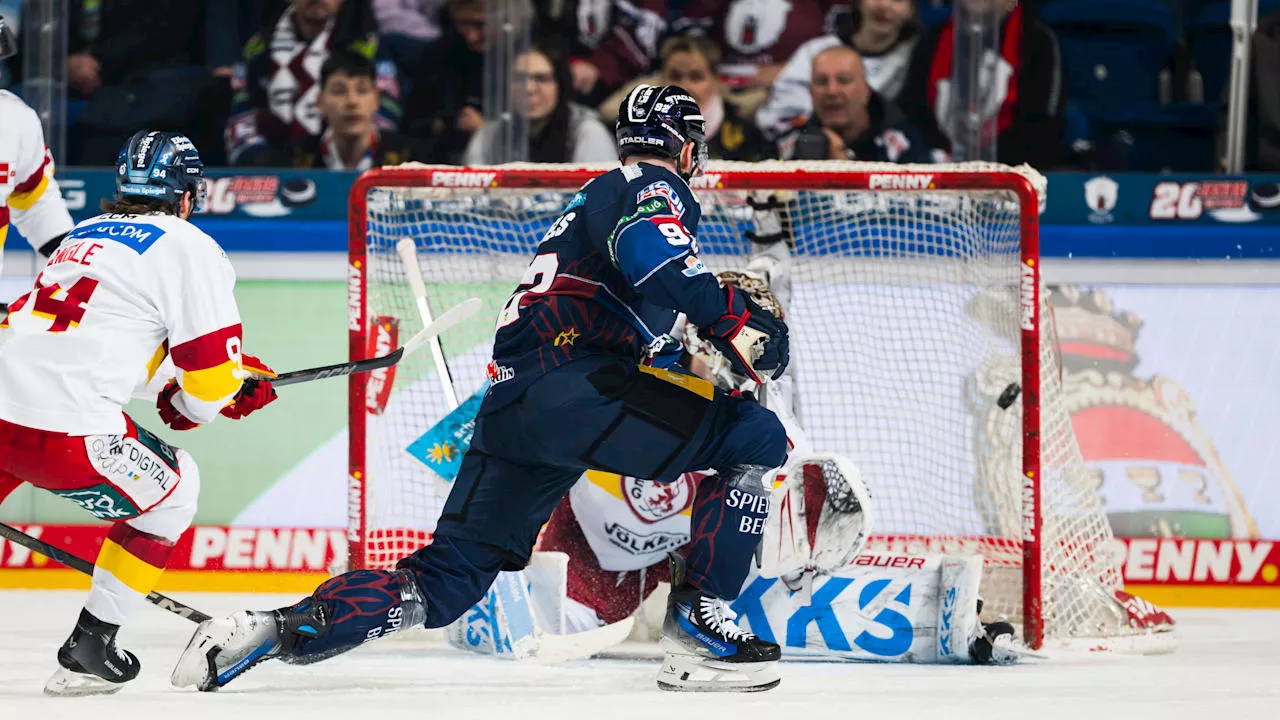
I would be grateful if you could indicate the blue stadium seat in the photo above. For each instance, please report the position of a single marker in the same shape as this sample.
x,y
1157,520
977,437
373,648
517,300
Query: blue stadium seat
x,y
1178,138
931,15
1113,51
1209,35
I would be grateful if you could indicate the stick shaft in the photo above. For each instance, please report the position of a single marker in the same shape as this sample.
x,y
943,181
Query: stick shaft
x,y
408,251
78,563
454,315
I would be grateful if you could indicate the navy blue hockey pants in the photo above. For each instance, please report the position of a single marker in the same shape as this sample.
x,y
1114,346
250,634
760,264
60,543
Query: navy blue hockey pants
x,y
605,414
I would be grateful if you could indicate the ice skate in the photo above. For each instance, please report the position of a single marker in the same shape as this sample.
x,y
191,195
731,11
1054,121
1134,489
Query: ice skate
x,y
222,649
91,663
705,650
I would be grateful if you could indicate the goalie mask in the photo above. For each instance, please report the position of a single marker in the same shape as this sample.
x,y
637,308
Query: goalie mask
x,y
716,366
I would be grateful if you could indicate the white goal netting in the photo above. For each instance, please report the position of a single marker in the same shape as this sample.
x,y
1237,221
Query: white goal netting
x,y
907,314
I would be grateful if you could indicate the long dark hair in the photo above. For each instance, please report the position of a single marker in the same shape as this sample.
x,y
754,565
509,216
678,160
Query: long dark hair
x,y
137,205
554,142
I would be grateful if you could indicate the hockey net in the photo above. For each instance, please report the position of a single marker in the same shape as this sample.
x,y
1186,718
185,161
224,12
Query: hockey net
x,y
919,342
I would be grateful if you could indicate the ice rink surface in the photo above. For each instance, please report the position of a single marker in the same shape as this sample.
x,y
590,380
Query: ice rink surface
x,y
1227,667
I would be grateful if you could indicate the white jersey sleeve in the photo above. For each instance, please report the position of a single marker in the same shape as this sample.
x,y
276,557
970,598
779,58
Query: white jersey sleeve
x,y
122,295
29,195
198,308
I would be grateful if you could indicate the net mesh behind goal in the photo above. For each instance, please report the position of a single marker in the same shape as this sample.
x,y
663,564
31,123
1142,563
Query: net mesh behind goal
x,y
915,291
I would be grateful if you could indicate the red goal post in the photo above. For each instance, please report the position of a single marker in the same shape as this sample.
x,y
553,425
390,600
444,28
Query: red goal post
x,y
1021,188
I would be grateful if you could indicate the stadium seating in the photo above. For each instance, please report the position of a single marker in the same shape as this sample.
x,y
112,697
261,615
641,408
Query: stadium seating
x,y
1113,52
1209,36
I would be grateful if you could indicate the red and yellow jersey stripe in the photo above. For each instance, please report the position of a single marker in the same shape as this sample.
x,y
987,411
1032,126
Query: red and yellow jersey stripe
x,y
210,369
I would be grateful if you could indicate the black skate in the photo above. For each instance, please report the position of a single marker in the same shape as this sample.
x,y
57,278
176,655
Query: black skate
x,y
705,650
995,645
91,662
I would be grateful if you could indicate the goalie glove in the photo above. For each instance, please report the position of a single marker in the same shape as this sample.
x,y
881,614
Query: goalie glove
x,y
754,341
820,518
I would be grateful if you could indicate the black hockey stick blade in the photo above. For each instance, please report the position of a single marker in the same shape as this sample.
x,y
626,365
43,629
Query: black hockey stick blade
x,y
78,563
447,319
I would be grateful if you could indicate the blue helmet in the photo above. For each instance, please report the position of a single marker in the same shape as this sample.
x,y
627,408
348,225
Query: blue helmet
x,y
164,165
658,120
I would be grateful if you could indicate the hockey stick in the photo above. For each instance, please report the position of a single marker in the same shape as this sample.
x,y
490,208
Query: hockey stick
x,y
77,563
448,319
408,250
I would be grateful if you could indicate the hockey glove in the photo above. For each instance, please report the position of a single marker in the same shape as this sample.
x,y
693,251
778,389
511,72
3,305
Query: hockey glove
x,y
751,338
169,414
256,392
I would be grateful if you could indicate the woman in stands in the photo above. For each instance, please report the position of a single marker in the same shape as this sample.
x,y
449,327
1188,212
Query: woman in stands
x,y
559,130
883,32
689,62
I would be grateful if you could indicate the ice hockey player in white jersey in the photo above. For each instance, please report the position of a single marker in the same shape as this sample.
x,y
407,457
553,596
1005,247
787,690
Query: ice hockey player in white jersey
x,y
134,303
29,196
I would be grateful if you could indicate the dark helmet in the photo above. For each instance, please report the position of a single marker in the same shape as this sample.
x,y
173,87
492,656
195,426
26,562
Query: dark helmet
x,y
658,120
8,40
156,164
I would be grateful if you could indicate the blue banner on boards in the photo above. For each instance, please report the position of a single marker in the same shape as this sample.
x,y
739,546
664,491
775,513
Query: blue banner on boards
x,y
1087,215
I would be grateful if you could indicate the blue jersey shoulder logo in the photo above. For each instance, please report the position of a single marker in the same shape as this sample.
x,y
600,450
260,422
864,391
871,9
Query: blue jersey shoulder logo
x,y
136,236
662,189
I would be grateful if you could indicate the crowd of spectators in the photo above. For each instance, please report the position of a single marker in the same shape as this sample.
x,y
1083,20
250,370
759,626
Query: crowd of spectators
x,y
348,84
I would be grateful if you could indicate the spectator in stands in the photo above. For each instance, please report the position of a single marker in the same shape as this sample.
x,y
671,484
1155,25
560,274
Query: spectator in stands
x,y
152,63
275,106
756,37
445,108
352,140
406,28
884,33
560,130
1027,109
850,120
614,42
689,62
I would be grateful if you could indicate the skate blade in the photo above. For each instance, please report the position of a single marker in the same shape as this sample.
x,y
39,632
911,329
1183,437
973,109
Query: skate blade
x,y
68,683
692,673
195,667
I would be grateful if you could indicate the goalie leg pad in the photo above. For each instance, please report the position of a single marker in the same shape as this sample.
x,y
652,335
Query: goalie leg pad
x,y
501,624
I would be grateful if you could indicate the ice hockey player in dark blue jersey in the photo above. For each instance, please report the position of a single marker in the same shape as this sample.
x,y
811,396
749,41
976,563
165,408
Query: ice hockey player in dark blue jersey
x,y
585,375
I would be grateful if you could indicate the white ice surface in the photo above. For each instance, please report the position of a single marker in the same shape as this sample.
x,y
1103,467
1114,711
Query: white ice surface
x,y
1227,667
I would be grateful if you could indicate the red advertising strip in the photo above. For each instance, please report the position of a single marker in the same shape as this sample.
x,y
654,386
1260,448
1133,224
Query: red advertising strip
x,y
298,550
1188,561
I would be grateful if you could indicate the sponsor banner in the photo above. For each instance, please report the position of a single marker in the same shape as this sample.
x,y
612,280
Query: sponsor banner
x,y
1073,198
1144,199
1187,561
204,547
1086,215
233,194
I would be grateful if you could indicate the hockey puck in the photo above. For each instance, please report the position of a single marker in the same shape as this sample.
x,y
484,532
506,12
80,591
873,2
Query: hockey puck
x,y
1266,196
298,191
1009,395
